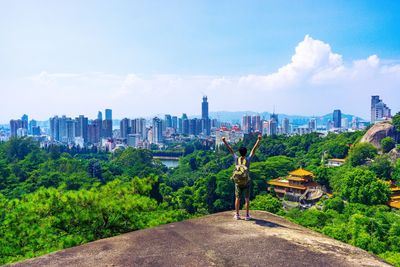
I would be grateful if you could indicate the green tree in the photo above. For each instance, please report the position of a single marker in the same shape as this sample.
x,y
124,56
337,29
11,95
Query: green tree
x,y
396,172
387,144
360,152
266,203
382,167
362,186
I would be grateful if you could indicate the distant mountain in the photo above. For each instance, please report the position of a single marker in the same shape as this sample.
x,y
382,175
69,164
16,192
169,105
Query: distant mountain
x,y
236,117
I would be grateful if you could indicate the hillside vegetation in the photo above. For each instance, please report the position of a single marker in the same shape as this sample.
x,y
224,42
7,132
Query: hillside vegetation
x,y
56,198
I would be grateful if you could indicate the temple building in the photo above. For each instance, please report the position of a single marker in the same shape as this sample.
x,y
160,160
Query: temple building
x,y
394,201
298,186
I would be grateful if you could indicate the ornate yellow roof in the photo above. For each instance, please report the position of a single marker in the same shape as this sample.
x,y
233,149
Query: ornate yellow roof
x,y
284,183
301,173
394,204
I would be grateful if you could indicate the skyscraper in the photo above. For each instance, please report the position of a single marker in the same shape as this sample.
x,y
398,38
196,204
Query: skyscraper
x,y
246,124
124,127
285,126
81,127
312,125
157,131
168,120
100,116
205,120
109,114
204,108
379,110
273,124
337,119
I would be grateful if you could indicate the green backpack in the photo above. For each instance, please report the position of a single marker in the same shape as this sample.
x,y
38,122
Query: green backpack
x,y
241,173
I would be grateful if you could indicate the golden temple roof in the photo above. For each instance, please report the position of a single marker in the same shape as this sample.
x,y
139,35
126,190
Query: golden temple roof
x,y
301,173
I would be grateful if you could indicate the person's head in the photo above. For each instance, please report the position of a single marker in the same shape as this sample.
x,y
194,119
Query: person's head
x,y
243,151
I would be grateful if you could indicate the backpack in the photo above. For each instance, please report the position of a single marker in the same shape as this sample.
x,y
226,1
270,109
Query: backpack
x,y
241,173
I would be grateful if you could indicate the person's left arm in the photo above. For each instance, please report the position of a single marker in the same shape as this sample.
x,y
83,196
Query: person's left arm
x,y
256,145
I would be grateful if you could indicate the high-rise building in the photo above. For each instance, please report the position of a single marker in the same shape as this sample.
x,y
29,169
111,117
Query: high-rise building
x,y
109,114
32,123
256,123
354,123
205,120
180,126
100,116
312,125
246,124
204,108
54,129
337,119
25,119
36,130
14,126
81,127
157,131
124,127
273,124
379,110
345,123
285,126
168,120
175,122
94,131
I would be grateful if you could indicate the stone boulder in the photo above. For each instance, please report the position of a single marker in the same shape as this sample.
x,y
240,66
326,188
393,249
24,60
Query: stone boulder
x,y
377,132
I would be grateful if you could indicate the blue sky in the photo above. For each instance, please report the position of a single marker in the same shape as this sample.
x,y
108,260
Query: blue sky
x,y
85,51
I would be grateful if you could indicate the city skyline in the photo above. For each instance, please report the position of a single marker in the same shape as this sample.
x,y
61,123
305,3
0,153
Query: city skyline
x,y
152,59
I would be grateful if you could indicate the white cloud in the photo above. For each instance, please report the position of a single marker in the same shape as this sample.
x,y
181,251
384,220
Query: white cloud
x,y
315,81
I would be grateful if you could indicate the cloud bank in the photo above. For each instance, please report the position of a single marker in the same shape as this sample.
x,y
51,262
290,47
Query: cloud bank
x,y
315,81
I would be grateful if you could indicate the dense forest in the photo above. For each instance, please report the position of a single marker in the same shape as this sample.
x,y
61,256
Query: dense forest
x,y
57,197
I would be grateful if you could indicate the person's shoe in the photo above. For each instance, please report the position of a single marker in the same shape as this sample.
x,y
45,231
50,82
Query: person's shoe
x,y
236,217
248,217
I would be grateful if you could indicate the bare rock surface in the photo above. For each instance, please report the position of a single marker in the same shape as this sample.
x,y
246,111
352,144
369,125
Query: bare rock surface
x,y
377,132
214,240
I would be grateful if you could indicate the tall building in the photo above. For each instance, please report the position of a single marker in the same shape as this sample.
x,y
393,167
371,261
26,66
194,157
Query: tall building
x,y
205,120
168,121
25,119
139,127
100,116
285,126
109,114
204,108
14,126
175,122
246,124
345,123
94,131
312,125
157,131
54,129
256,123
337,119
273,124
81,127
32,123
124,127
379,110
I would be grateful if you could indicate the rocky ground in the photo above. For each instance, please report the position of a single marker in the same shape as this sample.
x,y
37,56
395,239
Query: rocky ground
x,y
214,240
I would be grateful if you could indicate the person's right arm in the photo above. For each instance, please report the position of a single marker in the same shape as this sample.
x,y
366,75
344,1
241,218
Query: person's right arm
x,y
228,146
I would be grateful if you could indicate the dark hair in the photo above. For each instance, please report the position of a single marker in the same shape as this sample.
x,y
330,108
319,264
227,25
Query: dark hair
x,y
243,151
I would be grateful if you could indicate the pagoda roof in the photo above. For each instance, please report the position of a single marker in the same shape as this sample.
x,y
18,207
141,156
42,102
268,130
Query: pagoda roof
x,y
301,173
284,183
394,204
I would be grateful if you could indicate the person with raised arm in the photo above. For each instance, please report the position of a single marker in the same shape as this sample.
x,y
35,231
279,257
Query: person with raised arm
x,y
241,175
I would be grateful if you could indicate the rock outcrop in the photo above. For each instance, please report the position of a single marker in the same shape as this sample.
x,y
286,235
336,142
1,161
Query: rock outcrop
x,y
214,240
377,132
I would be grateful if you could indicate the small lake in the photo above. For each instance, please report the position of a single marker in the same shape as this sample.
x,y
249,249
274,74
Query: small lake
x,y
170,163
